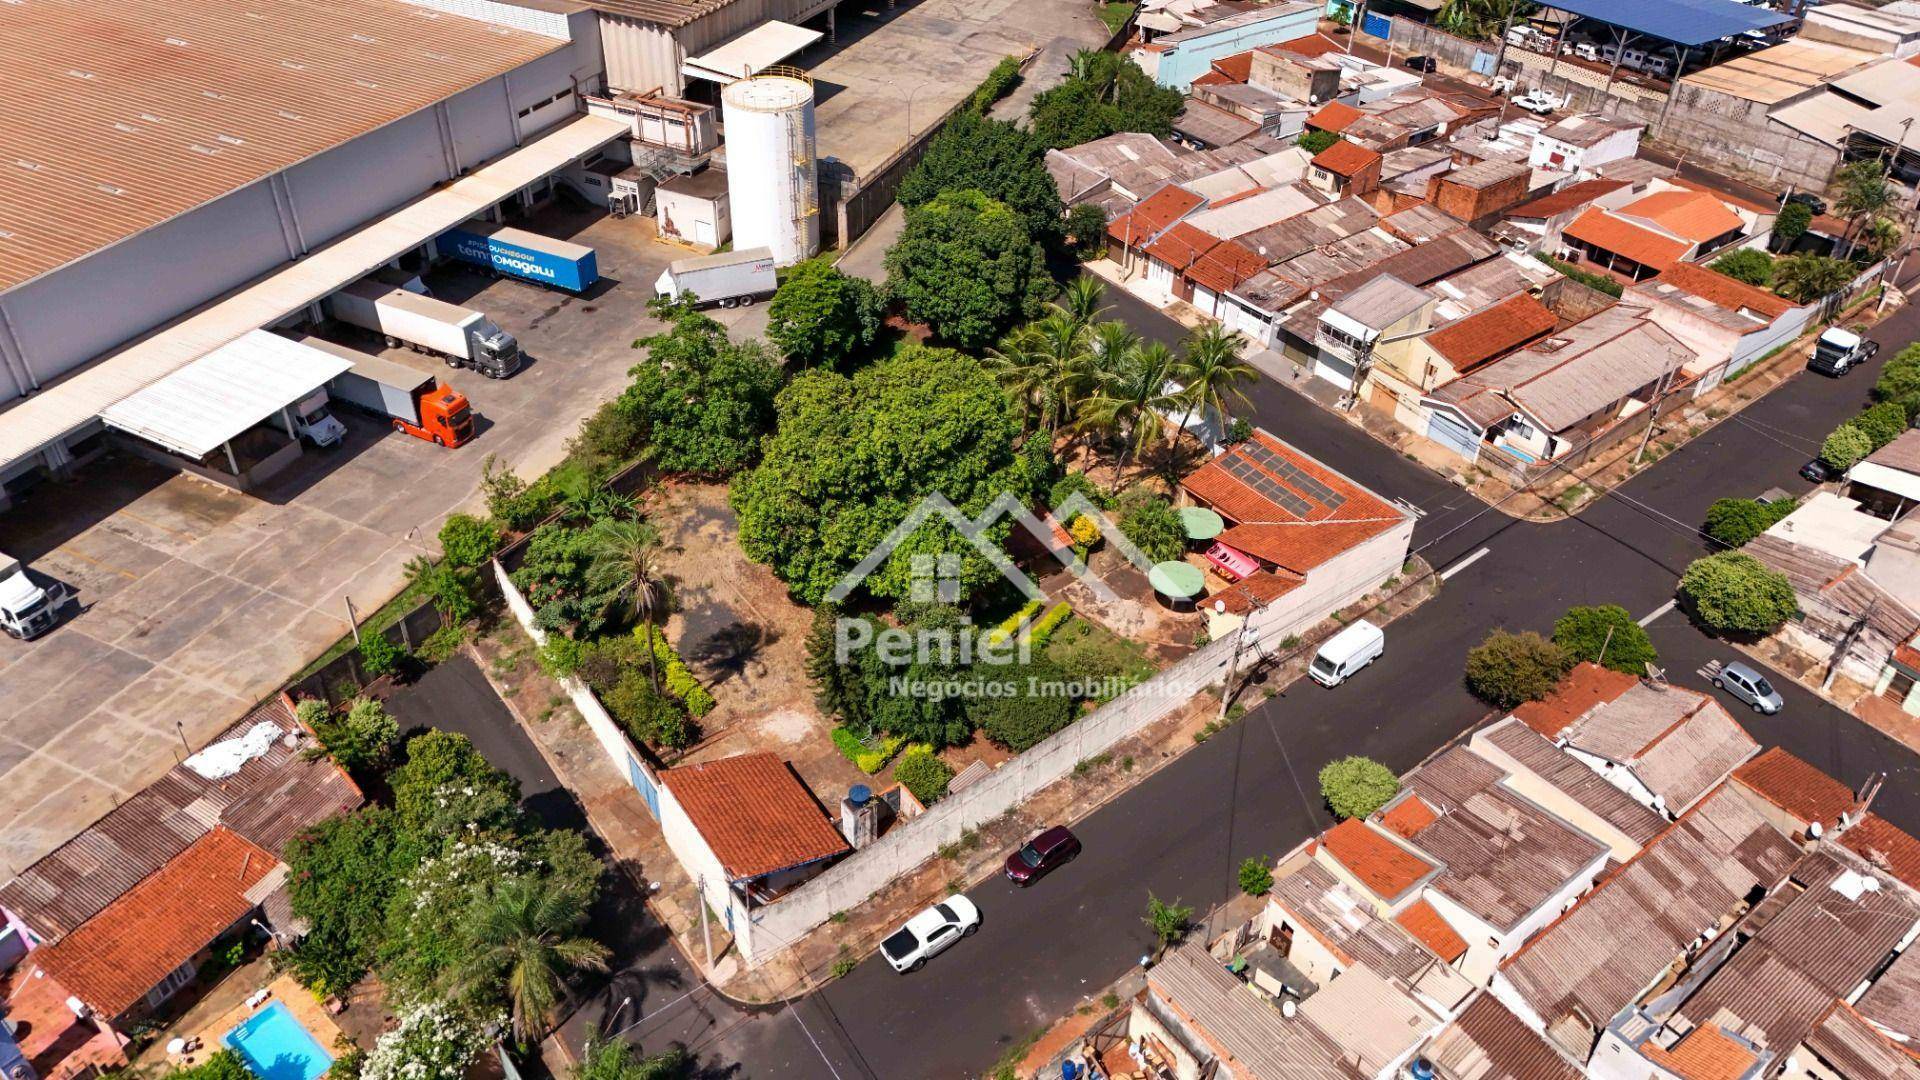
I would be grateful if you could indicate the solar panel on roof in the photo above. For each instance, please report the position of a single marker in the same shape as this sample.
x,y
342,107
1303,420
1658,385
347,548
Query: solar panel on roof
x,y
1281,471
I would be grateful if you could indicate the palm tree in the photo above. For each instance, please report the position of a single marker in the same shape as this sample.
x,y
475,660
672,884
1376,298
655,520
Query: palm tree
x,y
1806,278
1045,365
1131,398
1212,371
527,932
1081,300
1864,194
1881,236
626,566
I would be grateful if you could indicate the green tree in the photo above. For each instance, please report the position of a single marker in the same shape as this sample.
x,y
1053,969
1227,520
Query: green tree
x,y
968,267
1315,141
1883,423
924,774
1846,446
1606,635
1751,265
1256,877
1863,194
821,316
1083,300
1481,19
853,456
341,872
530,940
379,656
1154,526
446,785
454,590
1733,522
839,689
1790,225
1103,93
1900,381
701,400
467,541
1806,278
1028,710
1507,669
1129,396
1735,594
1046,366
626,569
222,1064
1355,787
1087,230
616,1059
1211,371
994,157
1880,236
361,740
1169,922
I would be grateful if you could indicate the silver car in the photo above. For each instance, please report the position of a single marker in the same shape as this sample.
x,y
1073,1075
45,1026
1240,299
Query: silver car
x,y
1749,686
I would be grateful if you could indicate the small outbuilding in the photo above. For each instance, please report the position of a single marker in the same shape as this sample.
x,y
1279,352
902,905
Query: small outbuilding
x,y
693,209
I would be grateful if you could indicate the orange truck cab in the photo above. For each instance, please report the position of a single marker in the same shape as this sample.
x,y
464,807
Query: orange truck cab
x,y
416,403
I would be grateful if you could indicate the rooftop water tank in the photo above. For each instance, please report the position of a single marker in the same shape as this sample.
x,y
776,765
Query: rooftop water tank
x,y
772,180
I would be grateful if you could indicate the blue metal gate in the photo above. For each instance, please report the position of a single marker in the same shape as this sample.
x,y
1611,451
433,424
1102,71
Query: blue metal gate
x,y
1449,432
1378,25
643,783
1482,63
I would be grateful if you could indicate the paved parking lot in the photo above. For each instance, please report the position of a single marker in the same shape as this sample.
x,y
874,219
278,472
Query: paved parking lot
x,y
199,601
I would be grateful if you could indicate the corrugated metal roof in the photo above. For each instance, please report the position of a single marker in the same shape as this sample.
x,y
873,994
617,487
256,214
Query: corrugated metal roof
x,y
270,799
1776,74
1368,1018
1576,781
29,424
1683,22
1893,1001
1600,956
1486,1042
1679,743
1848,1043
1256,1040
119,116
196,410
1578,372
1348,925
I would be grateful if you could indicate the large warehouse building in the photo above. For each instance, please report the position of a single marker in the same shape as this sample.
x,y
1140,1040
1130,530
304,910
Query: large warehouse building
x,y
180,172
671,45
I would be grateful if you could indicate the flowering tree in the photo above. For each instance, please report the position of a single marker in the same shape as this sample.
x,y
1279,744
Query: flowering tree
x,y
431,1042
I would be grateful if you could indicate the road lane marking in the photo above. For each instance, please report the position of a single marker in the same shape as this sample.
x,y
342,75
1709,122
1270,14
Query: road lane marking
x,y
1659,611
1463,564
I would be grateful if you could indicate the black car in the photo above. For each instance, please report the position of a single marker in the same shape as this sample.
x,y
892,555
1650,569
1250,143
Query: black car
x,y
1422,63
1812,202
1817,471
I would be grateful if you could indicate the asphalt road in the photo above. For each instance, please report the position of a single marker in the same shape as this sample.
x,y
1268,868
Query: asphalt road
x,y
1251,790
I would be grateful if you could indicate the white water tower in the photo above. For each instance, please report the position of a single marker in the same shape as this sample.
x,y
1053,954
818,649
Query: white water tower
x,y
771,181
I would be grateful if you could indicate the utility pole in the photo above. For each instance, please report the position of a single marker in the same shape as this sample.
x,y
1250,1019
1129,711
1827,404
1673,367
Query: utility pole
x,y
1242,635
353,619
1653,413
706,936
1846,645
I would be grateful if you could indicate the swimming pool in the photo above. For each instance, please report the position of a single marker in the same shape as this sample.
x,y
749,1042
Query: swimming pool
x,y
276,1047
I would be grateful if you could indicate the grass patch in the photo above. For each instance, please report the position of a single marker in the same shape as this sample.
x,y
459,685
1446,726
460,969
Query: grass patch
x,y
1571,497
1087,652
1006,1068
844,962
383,616
1116,14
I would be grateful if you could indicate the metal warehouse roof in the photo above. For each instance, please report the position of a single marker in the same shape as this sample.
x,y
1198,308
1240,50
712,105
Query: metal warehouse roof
x,y
1683,22
203,405
77,400
750,53
119,116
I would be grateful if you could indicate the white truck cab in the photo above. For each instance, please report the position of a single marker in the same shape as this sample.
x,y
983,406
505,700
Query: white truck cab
x,y
26,609
317,424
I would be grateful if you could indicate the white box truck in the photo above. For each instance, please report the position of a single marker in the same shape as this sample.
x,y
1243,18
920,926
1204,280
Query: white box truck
x,y
730,279
462,337
26,609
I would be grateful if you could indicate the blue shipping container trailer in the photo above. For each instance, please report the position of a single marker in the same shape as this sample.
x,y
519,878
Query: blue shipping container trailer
x,y
521,254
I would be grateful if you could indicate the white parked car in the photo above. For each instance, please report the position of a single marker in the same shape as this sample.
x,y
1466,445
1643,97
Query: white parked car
x,y
1539,102
1503,85
928,934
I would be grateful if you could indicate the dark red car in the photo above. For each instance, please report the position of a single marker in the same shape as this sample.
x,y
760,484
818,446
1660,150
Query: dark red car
x,y
1042,855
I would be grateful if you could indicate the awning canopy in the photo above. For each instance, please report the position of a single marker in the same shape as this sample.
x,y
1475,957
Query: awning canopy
x,y
1874,475
70,404
1683,22
750,53
199,408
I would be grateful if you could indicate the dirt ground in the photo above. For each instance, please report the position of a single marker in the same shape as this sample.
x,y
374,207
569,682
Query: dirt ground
x,y
745,639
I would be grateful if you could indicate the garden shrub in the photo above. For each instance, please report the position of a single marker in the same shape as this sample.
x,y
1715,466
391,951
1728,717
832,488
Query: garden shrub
x,y
1357,786
1256,877
1846,446
1043,628
1733,522
1020,717
222,1064
1507,669
1075,483
467,541
1882,423
379,656
673,671
1153,525
867,759
920,771
648,715
1585,632
1011,625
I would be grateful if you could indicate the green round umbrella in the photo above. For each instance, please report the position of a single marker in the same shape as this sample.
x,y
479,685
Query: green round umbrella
x,y
1201,523
1177,580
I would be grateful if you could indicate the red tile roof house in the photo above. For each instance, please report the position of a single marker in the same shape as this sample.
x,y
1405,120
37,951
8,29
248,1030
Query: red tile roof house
x,y
123,914
1727,324
1301,539
1134,231
1652,234
748,831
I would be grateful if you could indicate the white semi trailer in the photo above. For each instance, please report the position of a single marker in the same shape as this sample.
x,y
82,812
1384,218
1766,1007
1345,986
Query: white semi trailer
x,y
729,278
461,336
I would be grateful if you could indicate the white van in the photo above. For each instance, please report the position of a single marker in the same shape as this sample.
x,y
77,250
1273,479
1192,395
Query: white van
x,y
1347,652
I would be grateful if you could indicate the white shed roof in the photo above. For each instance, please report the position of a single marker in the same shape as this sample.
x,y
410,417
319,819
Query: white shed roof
x,y
750,53
27,426
200,407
